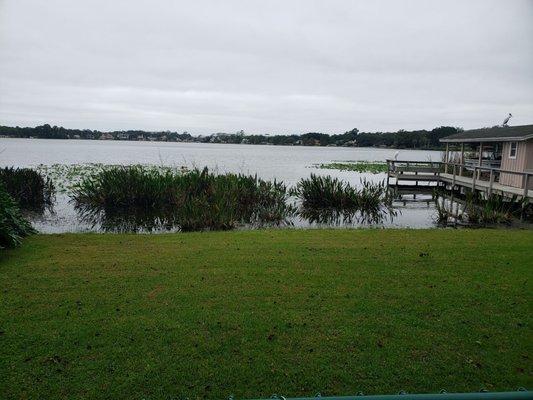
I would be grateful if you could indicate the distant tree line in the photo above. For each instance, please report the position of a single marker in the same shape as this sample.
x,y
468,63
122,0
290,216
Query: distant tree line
x,y
402,139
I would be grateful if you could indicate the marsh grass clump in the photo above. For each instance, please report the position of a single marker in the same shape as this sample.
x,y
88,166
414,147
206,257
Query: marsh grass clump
x,y
193,200
493,210
127,186
13,226
28,187
478,211
324,194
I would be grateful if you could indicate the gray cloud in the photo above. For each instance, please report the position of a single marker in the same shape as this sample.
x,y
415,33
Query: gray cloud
x,y
277,66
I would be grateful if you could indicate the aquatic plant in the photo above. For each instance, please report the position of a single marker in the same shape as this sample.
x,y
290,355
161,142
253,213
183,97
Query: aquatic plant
x,y
478,211
374,167
29,188
444,213
495,209
13,226
372,201
193,200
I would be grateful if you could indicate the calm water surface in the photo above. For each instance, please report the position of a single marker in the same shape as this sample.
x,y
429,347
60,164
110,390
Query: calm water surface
x,y
285,163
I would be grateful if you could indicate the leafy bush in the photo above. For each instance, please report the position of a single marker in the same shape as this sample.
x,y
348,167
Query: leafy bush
x,y
28,187
13,226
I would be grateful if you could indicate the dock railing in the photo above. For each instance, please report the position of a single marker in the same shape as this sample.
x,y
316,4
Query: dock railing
x,y
437,171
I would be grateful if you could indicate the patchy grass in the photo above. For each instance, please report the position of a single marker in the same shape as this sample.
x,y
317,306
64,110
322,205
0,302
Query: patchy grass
x,y
205,315
374,167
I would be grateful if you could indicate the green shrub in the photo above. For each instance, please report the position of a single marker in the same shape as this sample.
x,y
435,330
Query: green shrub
x,y
29,188
13,226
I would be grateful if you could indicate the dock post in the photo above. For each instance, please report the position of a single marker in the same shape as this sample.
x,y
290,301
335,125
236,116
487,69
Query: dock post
x,y
388,174
524,195
526,181
480,159
453,180
474,180
491,181
462,158
446,158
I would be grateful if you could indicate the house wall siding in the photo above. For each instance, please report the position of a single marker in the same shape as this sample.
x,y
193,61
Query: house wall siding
x,y
524,156
529,162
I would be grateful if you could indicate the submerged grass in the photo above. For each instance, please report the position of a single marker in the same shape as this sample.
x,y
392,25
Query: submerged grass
x,y
251,313
28,187
374,167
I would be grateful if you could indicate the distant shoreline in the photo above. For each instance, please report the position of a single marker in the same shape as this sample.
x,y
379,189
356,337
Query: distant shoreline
x,y
413,140
221,143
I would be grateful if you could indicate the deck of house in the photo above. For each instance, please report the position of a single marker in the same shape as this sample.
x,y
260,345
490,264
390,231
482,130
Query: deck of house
x,y
412,174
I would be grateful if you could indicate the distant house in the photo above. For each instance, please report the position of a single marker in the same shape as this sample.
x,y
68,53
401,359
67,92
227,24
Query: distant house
x,y
503,148
106,136
123,136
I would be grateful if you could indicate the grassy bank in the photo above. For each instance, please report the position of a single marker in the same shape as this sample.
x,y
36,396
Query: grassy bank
x,y
205,315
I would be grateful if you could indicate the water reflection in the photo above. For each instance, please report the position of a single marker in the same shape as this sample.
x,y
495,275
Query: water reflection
x,y
336,217
127,221
134,220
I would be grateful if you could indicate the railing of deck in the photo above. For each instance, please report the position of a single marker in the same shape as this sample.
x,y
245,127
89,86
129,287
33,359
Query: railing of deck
x,y
487,174
475,172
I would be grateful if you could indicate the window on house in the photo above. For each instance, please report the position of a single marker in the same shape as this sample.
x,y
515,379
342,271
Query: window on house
x,y
512,149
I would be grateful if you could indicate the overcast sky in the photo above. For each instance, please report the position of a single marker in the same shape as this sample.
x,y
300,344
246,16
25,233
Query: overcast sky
x,y
265,66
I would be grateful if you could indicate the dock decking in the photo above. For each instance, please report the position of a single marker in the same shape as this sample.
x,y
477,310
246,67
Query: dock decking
x,y
481,179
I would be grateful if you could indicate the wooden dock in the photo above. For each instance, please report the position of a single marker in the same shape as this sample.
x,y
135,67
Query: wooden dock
x,y
402,174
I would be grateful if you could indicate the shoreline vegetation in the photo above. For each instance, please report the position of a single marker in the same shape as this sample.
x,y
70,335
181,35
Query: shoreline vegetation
x,y
251,313
402,139
147,198
120,198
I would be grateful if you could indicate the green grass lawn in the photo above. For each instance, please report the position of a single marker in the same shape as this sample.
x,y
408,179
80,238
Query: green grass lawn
x,y
293,312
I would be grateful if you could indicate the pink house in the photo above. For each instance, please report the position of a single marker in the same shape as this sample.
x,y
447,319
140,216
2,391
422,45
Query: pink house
x,y
507,150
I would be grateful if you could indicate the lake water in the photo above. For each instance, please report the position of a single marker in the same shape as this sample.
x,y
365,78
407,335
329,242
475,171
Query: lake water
x,y
286,163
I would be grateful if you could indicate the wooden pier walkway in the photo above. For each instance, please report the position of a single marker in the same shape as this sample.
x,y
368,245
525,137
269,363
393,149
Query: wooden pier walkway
x,y
475,178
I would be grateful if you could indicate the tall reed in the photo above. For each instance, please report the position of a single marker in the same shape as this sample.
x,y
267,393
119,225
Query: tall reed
x,y
372,200
194,200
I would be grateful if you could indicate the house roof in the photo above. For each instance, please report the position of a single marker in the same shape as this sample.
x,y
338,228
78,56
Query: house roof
x,y
495,134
